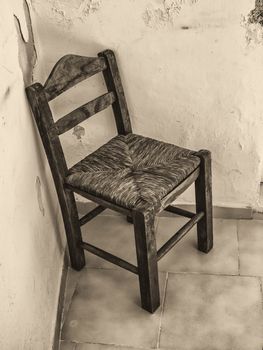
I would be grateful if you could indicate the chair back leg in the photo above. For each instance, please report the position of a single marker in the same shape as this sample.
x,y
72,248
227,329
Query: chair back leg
x,y
72,228
203,194
147,260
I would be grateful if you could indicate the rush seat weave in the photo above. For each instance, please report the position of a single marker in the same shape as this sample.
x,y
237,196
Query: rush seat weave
x,y
133,171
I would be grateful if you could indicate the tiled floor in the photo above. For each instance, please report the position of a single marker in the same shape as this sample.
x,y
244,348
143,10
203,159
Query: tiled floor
x,y
209,302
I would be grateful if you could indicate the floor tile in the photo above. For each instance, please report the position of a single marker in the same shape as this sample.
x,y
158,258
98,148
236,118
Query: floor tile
x,y
106,309
206,312
184,257
250,235
113,234
67,346
71,283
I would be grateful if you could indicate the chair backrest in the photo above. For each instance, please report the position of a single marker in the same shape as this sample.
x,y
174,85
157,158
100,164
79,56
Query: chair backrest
x,y
68,71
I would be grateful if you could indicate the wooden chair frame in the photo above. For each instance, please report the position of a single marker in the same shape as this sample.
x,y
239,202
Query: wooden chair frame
x,y
68,71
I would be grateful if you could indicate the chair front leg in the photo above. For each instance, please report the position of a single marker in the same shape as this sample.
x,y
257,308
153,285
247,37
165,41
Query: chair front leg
x,y
147,260
203,194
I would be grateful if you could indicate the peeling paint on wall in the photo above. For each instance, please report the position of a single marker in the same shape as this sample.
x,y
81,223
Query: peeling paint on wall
x,y
165,13
253,23
65,12
39,196
256,15
78,131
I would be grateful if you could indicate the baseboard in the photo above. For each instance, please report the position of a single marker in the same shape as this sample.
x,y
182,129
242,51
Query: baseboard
x,y
220,212
223,212
60,304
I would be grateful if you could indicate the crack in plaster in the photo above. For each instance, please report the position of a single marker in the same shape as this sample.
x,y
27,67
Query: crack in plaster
x,y
165,13
39,196
27,49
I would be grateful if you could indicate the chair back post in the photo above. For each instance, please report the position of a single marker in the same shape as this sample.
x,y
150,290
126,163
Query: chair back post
x,y
45,123
44,119
113,81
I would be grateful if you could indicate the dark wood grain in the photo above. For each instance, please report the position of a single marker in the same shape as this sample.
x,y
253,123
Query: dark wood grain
x,y
100,201
70,70
91,215
203,193
129,219
179,211
113,82
38,102
179,235
109,257
77,116
147,260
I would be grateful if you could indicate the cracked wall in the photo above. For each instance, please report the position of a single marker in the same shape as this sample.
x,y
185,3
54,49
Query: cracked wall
x,y
253,24
166,12
189,74
67,13
31,251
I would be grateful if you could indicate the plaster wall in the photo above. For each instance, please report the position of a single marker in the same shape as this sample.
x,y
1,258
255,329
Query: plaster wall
x,y
31,250
191,70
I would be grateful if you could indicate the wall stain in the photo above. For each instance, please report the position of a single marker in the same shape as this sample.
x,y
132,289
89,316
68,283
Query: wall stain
x,y
3,121
39,196
165,13
7,92
78,131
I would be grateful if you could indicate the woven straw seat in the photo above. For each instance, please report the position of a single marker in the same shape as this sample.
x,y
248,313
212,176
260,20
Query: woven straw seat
x,y
133,171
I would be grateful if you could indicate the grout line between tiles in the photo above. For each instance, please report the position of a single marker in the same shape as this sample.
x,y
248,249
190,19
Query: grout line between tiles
x,y
238,251
212,274
261,291
176,272
74,344
117,346
162,311
63,313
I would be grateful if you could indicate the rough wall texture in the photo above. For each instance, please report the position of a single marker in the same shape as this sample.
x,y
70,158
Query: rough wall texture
x,y
31,251
191,77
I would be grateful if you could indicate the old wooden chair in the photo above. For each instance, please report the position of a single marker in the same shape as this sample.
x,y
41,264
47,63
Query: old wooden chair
x,y
134,175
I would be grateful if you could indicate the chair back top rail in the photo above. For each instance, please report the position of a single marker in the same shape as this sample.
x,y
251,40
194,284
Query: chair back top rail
x,y
82,113
70,70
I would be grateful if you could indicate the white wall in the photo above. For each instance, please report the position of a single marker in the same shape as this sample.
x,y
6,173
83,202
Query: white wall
x,y
31,251
191,69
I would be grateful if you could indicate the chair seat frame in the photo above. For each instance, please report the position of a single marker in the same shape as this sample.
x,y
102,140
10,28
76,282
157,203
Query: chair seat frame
x,y
68,71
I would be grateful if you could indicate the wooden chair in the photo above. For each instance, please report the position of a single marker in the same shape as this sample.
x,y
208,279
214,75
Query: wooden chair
x,y
134,175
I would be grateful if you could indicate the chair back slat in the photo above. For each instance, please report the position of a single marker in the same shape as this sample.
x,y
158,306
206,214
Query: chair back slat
x,y
44,119
70,70
84,112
